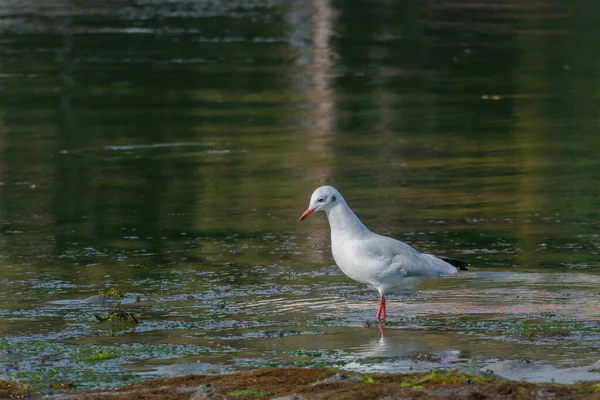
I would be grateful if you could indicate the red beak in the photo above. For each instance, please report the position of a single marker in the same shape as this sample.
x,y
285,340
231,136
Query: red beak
x,y
306,213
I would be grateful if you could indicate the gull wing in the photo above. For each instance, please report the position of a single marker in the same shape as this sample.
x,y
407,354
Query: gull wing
x,y
403,258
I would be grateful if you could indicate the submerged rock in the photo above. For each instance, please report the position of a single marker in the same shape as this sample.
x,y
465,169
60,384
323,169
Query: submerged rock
x,y
96,299
110,296
203,392
11,356
339,377
531,371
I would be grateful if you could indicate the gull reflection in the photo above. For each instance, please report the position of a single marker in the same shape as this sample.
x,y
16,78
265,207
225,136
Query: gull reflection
x,y
407,347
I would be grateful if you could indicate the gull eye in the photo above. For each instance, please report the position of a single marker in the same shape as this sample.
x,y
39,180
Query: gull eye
x,y
321,200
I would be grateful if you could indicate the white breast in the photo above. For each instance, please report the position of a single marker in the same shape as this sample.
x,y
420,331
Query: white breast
x,y
353,263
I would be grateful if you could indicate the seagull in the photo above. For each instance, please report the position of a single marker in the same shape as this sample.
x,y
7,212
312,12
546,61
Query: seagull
x,y
383,263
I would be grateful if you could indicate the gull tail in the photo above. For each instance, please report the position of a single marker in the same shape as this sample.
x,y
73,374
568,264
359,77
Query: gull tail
x,y
459,265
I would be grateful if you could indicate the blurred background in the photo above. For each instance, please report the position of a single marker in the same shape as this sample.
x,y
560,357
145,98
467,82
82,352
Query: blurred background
x,y
167,148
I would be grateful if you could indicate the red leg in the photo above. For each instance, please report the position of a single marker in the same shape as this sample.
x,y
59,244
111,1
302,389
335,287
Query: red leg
x,y
381,311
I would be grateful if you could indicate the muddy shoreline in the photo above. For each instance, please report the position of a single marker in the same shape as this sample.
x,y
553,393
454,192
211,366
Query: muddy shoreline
x,y
321,383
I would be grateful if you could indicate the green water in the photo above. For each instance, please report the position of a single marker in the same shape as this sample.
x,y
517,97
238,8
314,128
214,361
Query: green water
x,y
167,149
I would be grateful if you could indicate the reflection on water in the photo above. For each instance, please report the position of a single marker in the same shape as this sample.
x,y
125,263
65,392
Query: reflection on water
x,y
167,149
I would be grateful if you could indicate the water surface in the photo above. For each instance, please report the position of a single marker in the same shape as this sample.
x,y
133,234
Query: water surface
x,y
167,149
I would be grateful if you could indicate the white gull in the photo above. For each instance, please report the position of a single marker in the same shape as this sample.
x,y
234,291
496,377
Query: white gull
x,y
383,263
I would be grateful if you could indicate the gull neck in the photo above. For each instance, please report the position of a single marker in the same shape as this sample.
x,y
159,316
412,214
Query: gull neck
x,y
343,221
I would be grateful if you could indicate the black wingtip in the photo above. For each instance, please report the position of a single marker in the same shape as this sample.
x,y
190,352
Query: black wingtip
x,y
459,265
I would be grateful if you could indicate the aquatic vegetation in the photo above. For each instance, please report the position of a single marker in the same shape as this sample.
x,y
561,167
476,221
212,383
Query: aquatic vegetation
x,y
47,363
112,293
118,316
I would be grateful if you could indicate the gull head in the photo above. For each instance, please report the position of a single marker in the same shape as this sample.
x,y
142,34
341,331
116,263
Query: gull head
x,y
322,199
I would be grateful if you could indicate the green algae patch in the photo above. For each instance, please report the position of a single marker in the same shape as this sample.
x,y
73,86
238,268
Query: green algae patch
x,y
14,390
368,379
100,355
411,385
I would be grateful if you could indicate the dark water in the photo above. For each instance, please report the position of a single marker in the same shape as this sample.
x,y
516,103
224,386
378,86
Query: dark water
x,y
167,149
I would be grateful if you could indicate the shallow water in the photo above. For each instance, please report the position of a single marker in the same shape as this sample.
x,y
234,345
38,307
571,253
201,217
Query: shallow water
x,y
168,149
